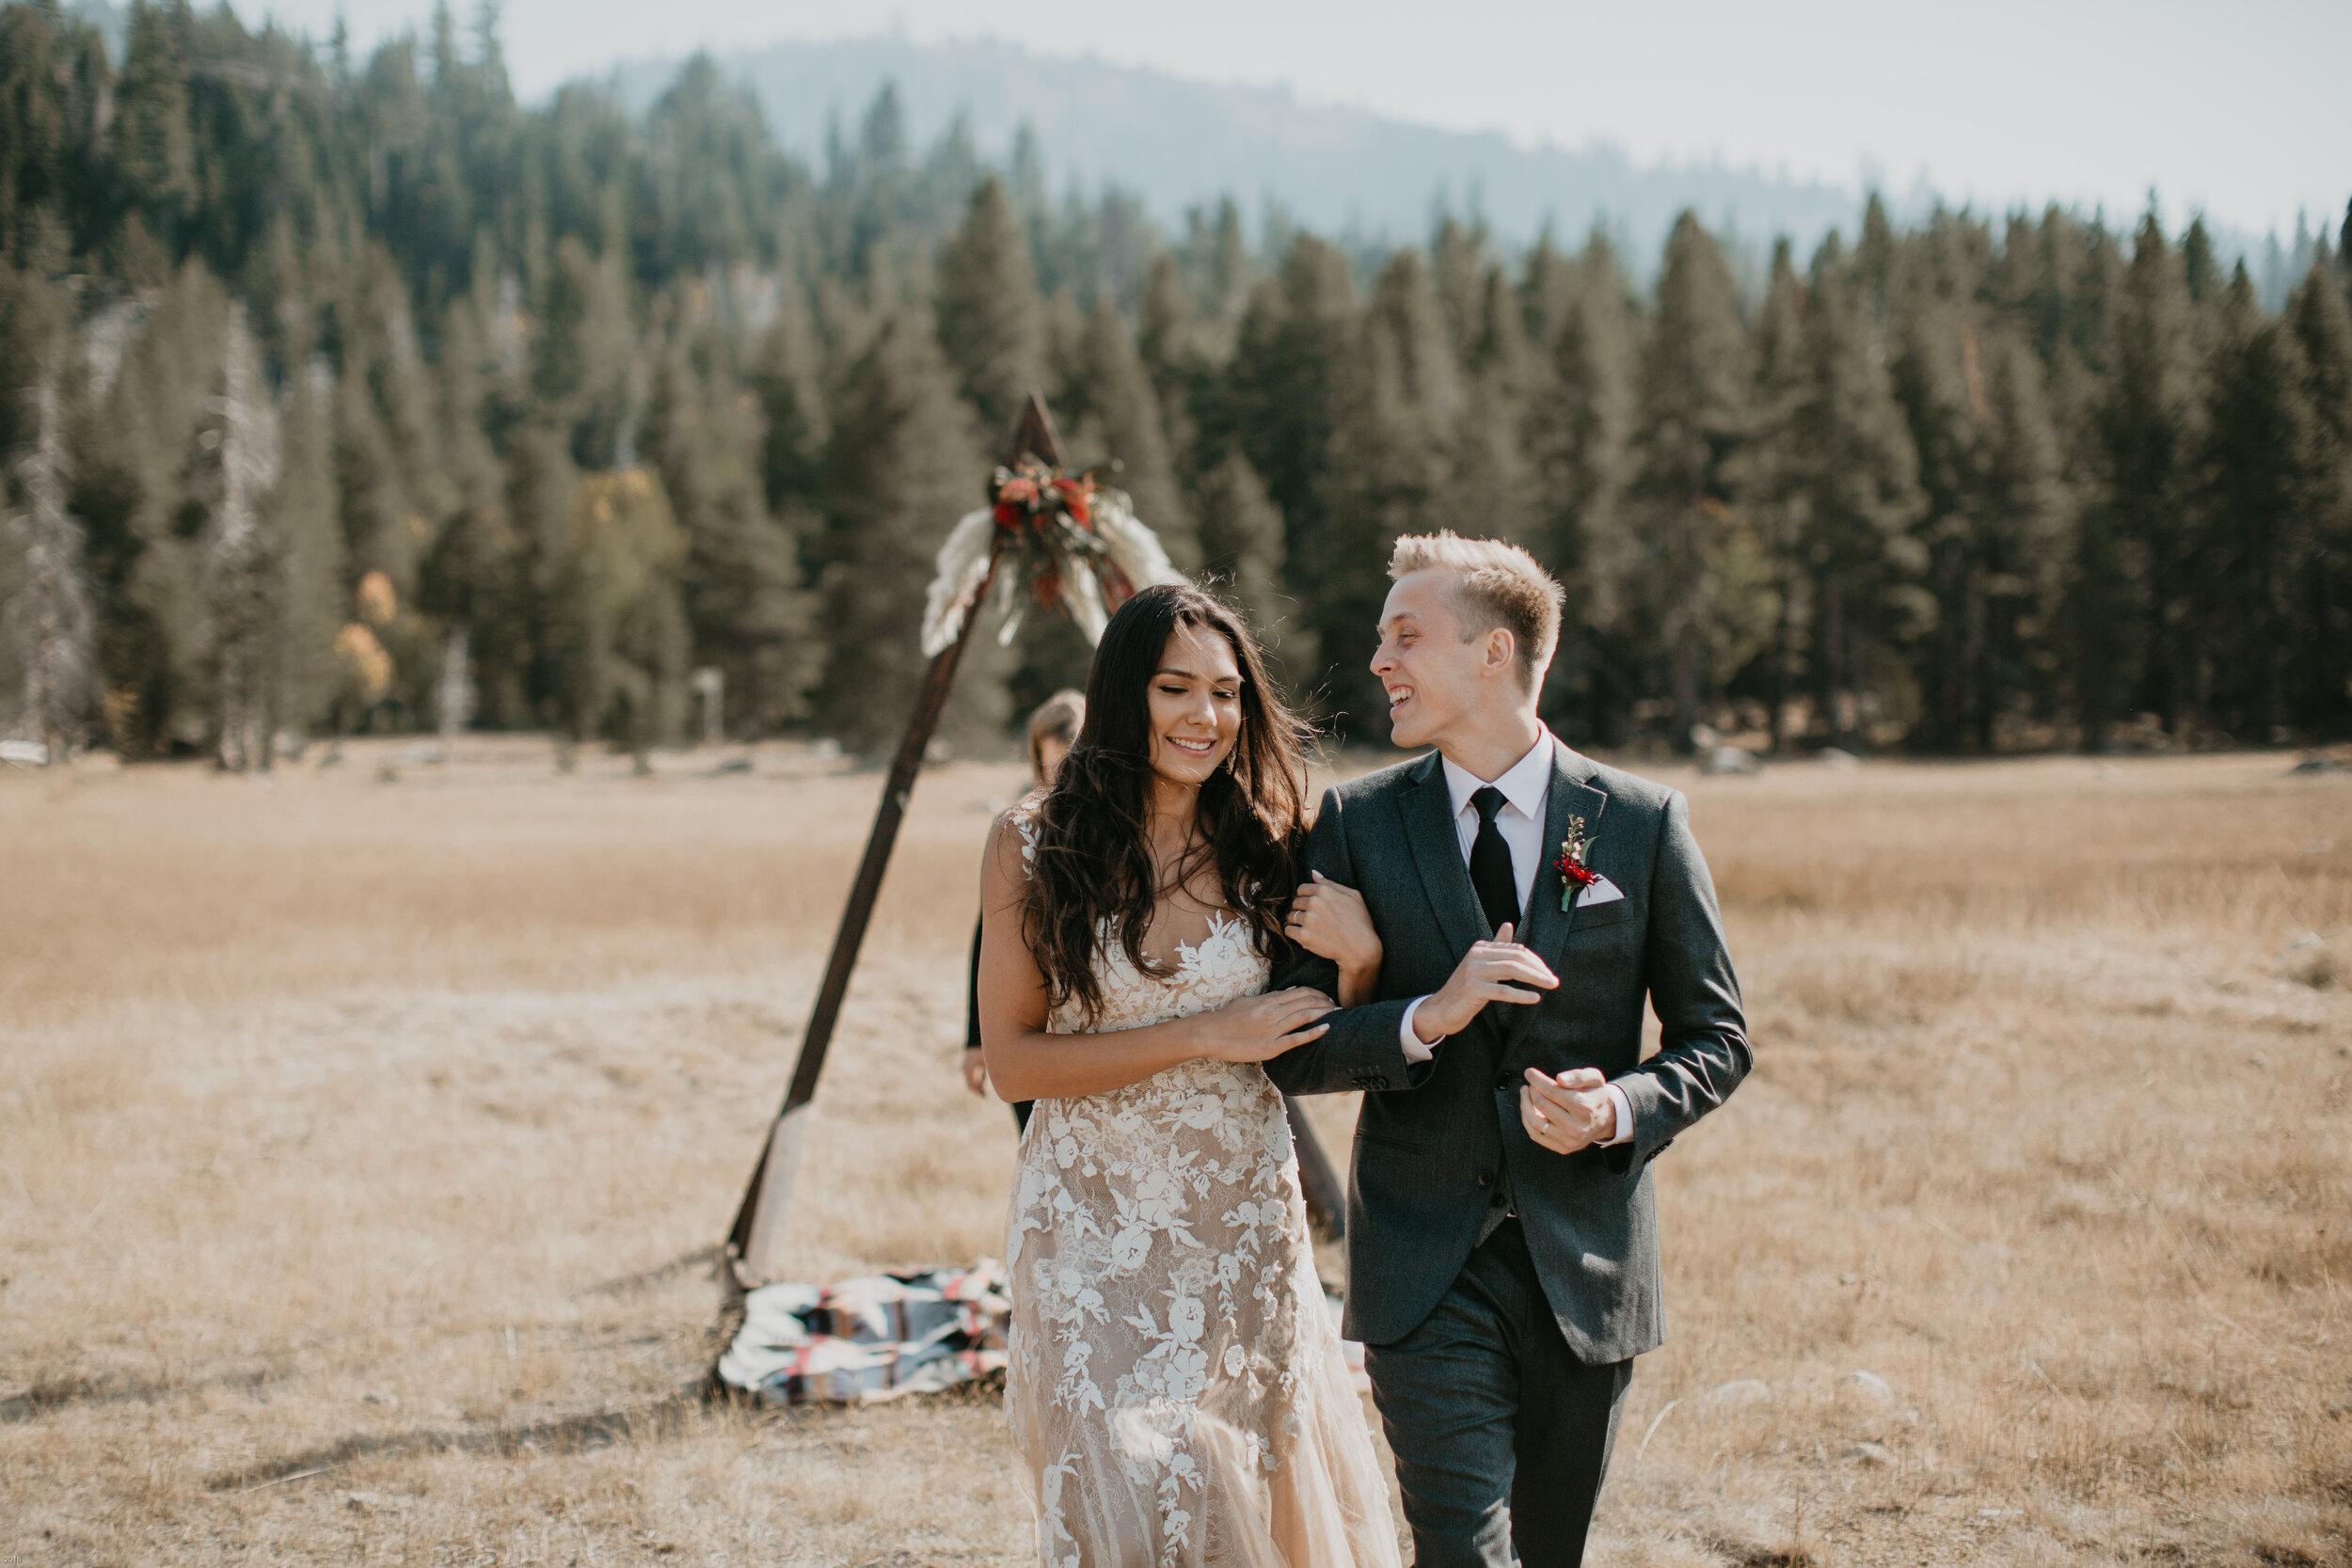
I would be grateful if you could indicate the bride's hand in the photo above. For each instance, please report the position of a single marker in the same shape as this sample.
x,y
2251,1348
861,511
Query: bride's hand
x,y
1258,1028
1329,919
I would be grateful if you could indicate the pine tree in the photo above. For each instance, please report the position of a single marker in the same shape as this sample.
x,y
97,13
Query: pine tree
x,y
241,562
476,579
1280,410
138,488
1875,265
1109,390
617,625
1578,422
391,468
54,98
1861,497
1242,557
786,375
1226,268
308,592
904,465
1770,474
2147,425
1691,409
2251,537
2322,688
1168,342
1396,412
1458,269
586,371
708,180
371,489
47,624
155,156
2024,522
1183,358
990,325
1935,368
1494,484
542,483
743,601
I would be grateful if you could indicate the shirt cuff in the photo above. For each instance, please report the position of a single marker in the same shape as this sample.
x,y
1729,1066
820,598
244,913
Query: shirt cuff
x,y
1416,1048
1625,1113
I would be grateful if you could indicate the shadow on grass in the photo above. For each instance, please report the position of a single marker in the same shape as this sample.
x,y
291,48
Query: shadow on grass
x,y
562,1434
571,1433
41,1398
646,1278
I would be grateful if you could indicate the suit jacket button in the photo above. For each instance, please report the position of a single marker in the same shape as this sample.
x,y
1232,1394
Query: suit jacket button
x,y
1506,1082
1484,1179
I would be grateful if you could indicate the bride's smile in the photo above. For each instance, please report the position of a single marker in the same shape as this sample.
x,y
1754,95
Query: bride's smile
x,y
1195,708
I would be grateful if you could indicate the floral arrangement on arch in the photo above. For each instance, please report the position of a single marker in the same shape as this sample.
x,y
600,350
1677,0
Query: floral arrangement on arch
x,y
1058,540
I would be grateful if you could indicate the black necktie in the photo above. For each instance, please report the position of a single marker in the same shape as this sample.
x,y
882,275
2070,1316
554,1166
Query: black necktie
x,y
1490,862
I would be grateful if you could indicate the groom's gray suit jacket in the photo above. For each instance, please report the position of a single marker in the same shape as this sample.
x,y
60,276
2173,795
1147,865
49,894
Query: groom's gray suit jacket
x,y
1434,1137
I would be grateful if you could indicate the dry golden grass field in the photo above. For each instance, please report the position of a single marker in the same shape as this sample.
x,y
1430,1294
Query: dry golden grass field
x,y
362,1134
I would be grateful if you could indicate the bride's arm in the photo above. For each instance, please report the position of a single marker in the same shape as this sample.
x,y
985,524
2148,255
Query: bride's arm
x,y
1026,1063
1328,919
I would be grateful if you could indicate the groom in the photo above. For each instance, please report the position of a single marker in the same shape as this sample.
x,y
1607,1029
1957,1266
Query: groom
x,y
1502,1225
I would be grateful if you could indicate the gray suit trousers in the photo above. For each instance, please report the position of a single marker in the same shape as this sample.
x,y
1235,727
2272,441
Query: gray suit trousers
x,y
1502,1436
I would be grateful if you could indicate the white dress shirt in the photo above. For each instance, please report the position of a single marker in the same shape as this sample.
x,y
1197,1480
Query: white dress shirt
x,y
1526,787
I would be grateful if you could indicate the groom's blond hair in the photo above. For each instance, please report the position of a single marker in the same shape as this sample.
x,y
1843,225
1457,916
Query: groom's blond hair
x,y
1496,585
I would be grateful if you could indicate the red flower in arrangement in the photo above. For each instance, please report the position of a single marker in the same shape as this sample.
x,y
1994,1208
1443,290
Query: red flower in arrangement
x,y
1038,498
1573,871
1064,540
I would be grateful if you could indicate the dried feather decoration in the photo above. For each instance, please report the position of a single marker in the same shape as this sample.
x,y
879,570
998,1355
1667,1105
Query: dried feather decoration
x,y
1067,544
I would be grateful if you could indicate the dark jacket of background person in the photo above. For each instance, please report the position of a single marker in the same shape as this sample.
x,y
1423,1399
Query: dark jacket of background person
x,y
1436,1141
972,1024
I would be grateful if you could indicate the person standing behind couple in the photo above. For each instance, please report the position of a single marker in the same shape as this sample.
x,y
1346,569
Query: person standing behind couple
x,y
1502,1255
1053,728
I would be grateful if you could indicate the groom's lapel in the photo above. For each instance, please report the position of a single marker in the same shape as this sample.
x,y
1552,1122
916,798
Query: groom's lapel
x,y
1427,808
1548,925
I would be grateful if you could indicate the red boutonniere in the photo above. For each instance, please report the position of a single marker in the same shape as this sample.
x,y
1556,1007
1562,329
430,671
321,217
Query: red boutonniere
x,y
1573,874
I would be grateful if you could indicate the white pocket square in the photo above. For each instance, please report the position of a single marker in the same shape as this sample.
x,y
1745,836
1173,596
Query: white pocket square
x,y
1601,892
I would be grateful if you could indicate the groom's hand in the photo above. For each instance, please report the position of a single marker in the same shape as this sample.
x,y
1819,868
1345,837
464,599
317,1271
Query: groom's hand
x,y
1572,1112
1497,971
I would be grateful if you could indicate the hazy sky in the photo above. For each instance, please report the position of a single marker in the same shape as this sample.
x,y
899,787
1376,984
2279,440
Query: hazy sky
x,y
2244,111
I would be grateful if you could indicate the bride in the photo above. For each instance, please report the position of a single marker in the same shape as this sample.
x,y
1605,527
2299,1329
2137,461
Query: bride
x,y
1176,1391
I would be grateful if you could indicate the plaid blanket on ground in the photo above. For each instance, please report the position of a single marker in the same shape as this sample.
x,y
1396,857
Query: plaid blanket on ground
x,y
871,1339
876,1338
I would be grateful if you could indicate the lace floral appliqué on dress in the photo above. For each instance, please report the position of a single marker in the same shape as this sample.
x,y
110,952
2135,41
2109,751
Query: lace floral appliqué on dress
x,y
1176,1387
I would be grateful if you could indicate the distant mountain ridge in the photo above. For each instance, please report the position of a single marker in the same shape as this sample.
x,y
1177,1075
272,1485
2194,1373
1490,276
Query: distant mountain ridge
x,y
1178,143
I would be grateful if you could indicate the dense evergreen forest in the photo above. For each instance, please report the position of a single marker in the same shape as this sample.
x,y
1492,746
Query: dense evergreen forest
x,y
326,380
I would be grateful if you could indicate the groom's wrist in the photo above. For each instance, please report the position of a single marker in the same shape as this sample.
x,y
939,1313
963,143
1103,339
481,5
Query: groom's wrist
x,y
1621,1129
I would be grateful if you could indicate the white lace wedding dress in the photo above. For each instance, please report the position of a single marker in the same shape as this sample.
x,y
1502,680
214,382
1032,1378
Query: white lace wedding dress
x,y
1176,1388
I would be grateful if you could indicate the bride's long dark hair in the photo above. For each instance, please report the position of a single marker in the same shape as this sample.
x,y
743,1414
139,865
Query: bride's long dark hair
x,y
1093,881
